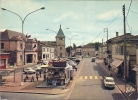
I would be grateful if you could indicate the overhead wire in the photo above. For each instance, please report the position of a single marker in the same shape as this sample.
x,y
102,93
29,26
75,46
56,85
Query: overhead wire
x,y
107,26
129,8
127,15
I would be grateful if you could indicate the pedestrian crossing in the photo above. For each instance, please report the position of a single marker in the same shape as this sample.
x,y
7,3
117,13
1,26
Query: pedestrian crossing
x,y
91,77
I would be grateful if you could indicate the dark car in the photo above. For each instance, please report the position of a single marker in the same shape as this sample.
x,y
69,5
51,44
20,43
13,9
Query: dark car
x,y
93,59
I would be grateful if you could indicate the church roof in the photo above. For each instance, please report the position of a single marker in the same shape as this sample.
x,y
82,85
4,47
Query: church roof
x,y
60,33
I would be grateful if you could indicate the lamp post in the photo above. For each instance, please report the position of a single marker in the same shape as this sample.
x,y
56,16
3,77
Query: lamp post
x,y
70,42
23,20
56,33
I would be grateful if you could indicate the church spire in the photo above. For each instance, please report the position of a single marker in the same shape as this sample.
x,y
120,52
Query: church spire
x,y
60,32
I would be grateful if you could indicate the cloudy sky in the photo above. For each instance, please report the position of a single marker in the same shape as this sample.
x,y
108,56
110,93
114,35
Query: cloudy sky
x,y
87,19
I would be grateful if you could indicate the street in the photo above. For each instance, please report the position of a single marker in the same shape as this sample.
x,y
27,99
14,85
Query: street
x,y
87,84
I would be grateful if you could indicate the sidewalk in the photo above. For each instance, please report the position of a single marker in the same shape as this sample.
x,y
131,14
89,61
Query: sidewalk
x,y
120,83
30,87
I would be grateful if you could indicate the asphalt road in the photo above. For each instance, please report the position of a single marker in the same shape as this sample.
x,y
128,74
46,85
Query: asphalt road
x,y
25,96
87,85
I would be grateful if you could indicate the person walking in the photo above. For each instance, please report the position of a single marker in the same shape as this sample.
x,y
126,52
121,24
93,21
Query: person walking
x,y
44,76
37,77
40,73
32,79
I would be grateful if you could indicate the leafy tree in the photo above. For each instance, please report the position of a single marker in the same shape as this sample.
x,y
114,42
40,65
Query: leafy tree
x,y
68,50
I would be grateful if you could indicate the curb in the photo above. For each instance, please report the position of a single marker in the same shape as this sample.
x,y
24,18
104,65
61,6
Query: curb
x,y
40,92
117,85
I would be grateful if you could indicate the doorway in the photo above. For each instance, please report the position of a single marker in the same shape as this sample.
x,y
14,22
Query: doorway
x,y
29,58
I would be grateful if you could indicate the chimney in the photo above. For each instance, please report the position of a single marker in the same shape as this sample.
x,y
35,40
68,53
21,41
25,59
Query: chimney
x,y
116,34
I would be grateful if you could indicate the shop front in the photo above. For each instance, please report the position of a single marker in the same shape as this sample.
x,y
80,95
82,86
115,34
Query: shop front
x,y
4,60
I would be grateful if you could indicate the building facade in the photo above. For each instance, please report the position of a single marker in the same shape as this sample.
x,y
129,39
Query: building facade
x,y
14,43
115,57
58,45
48,53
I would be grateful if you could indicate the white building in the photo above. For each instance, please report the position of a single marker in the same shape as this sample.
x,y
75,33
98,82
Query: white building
x,y
47,53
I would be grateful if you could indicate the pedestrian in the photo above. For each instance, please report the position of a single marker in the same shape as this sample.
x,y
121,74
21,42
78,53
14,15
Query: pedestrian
x,y
76,68
40,73
109,67
44,76
32,79
37,77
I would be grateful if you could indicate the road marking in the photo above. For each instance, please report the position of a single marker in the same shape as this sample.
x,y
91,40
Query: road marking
x,y
101,77
80,77
95,77
85,77
90,77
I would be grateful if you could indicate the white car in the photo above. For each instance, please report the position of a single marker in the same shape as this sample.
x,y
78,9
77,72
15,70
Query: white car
x,y
109,82
37,67
29,71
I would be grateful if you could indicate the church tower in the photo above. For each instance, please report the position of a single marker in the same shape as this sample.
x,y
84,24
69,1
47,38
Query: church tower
x,y
60,40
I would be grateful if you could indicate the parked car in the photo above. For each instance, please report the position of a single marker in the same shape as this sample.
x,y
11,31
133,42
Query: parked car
x,y
109,82
29,71
93,59
37,67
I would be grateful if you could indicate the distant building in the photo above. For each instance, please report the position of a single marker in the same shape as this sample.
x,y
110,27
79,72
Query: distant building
x,y
88,51
59,44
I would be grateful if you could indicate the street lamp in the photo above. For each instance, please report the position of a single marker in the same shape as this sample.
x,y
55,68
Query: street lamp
x,y
56,33
23,20
70,42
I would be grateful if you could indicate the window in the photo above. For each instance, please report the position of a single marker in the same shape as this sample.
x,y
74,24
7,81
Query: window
x,y
60,48
121,50
43,55
43,49
47,49
21,57
2,45
60,38
21,45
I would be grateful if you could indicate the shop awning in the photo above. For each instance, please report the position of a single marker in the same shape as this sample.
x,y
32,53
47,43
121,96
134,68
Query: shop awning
x,y
116,63
135,68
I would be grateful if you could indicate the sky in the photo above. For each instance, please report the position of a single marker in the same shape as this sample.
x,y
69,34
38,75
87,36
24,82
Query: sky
x,y
85,18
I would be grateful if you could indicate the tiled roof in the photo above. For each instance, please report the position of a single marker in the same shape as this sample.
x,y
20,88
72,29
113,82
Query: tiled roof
x,y
10,35
120,38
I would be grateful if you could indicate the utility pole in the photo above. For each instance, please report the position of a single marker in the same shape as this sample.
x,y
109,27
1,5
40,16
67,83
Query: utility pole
x,y
102,47
106,30
125,63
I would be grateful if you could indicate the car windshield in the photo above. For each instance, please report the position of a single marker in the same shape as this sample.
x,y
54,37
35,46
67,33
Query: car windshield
x,y
108,80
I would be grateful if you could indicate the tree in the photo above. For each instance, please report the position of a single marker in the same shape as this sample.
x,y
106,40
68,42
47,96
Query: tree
x,y
96,45
68,50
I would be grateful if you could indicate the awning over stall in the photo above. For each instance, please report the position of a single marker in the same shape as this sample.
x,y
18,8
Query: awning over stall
x,y
116,63
135,68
